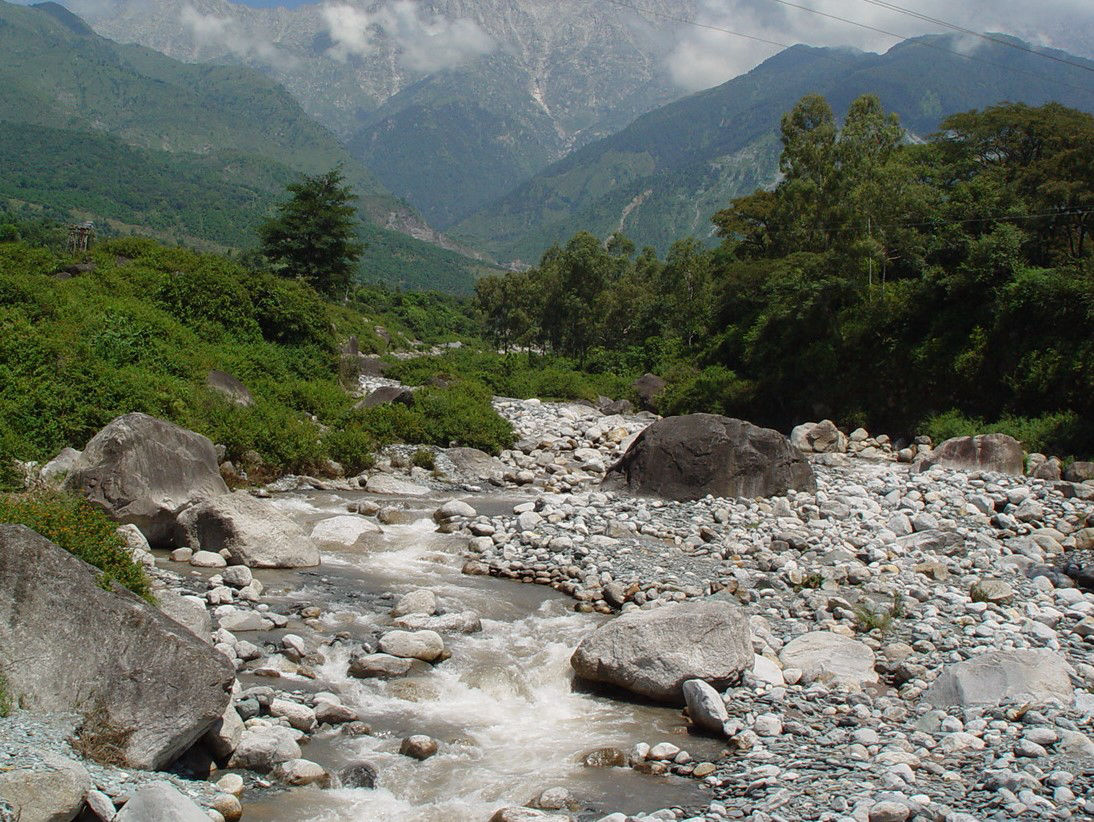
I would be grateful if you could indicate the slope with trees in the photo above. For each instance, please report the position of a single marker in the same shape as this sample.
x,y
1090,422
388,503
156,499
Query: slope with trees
x,y
880,283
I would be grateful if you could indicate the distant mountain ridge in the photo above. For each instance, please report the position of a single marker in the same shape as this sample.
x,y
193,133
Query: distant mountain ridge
x,y
665,175
196,152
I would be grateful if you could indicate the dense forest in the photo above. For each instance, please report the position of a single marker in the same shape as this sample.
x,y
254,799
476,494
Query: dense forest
x,y
943,286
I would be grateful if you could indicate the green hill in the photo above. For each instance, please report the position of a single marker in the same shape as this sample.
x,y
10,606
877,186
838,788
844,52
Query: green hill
x,y
666,174
194,153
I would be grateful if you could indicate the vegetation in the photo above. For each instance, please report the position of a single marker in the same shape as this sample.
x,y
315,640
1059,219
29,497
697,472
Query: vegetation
x,y
142,328
879,618
82,530
880,283
7,704
313,237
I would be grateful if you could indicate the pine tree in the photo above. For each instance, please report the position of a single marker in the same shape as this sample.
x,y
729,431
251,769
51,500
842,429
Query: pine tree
x,y
314,235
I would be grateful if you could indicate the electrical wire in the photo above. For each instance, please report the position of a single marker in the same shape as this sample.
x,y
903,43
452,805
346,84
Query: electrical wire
x,y
999,40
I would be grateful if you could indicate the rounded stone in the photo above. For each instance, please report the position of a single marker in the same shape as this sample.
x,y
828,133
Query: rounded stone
x,y
418,747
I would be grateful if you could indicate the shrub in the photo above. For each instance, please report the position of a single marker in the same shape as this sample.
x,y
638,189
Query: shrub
x,y
82,530
1059,433
879,619
714,390
353,447
6,702
210,294
424,458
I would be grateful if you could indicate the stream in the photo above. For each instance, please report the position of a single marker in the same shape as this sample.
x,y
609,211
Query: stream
x,y
503,707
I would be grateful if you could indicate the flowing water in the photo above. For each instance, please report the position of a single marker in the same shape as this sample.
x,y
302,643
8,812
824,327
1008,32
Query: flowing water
x,y
503,707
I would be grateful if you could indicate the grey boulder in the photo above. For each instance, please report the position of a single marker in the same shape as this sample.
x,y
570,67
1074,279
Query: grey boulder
x,y
160,802
55,471
823,656
254,533
144,471
984,452
653,653
688,457
994,677
83,649
50,792
818,438
224,383
705,706
261,749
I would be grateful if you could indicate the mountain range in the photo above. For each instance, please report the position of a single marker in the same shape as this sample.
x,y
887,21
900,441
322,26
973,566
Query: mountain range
x,y
665,175
197,152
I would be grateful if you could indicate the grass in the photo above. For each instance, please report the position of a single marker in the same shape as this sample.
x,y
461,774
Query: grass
x,y
812,581
424,458
874,618
101,739
7,703
82,530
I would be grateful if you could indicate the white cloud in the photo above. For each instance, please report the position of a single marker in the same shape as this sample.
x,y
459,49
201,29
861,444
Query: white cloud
x,y
703,57
213,32
423,42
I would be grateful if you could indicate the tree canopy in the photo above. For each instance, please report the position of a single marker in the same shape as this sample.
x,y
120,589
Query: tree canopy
x,y
314,235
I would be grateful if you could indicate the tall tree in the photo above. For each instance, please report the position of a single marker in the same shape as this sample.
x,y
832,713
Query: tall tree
x,y
314,235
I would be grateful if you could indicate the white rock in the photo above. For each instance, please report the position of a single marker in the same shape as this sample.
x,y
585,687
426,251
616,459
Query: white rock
x,y
344,530
830,658
421,601
424,645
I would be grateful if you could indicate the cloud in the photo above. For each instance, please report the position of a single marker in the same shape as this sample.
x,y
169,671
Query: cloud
x,y
423,42
703,57
212,32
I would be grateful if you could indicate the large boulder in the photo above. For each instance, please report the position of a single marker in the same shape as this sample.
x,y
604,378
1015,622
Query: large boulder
x,y
55,471
686,458
994,677
984,452
224,383
145,471
818,438
653,653
103,653
386,395
646,388
51,790
1076,472
160,802
832,659
254,533
471,464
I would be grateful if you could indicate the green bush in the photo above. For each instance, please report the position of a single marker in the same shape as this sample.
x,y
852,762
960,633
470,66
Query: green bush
x,y
82,530
353,448
6,702
210,294
714,390
423,458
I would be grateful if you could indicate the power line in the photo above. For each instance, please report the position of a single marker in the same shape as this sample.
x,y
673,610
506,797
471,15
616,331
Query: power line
x,y
918,42
999,40
926,43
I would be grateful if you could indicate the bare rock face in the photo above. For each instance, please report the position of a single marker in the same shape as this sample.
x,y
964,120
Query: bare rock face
x,y
75,647
984,452
254,533
688,457
653,653
144,471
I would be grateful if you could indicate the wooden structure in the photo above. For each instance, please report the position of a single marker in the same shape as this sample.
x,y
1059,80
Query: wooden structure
x,y
80,236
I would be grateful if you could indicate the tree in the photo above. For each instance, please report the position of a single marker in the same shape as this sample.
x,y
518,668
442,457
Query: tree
x,y
314,235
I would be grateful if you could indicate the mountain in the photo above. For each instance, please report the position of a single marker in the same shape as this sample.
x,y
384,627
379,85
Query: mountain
x,y
452,102
196,152
665,175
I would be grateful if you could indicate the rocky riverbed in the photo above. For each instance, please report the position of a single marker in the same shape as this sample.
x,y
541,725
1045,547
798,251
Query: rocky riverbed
x,y
918,648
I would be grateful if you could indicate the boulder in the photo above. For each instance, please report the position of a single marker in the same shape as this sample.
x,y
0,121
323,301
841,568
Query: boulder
x,y
984,452
55,471
145,471
378,666
260,748
230,387
224,737
424,645
187,612
418,746
705,706
521,814
107,653
160,802
818,438
471,464
52,791
421,601
299,772
358,775
653,653
385,395
823,656
646,388
1076,472
686,458
254,533
344,530
387,484
994,677
453,508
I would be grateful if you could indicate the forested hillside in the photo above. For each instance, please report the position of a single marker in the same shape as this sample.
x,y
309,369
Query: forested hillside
x,y
665,175
948,285
193,153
